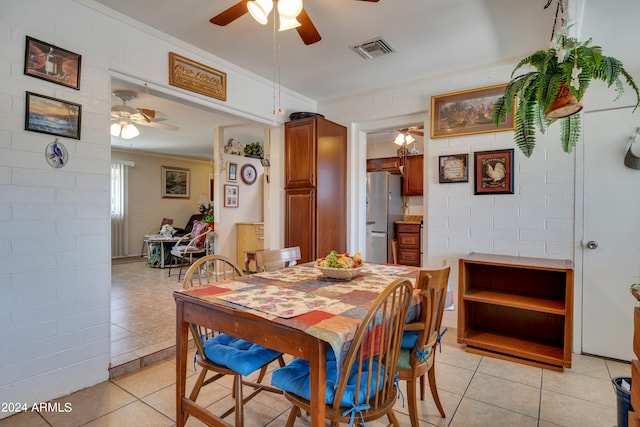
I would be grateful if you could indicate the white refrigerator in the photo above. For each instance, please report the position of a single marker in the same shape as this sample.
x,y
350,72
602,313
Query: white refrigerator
x,y
384,207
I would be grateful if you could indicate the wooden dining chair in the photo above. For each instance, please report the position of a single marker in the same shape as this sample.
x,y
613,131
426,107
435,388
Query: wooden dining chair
x,y
418,352
365,388
268,260
223,354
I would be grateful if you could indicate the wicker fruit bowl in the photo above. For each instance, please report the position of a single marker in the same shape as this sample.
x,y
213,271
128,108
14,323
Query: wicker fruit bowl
x,y
339,273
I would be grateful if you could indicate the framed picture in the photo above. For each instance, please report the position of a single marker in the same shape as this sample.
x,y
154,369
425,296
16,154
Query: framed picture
x,y
454,168
232,171
196,77
175,183
493,172
53,116
48,62
231,195
467,112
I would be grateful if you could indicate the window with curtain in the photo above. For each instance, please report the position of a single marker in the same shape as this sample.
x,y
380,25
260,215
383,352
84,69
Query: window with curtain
x,y
118,208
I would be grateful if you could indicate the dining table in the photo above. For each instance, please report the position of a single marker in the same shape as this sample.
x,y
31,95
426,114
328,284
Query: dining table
x,y
295,310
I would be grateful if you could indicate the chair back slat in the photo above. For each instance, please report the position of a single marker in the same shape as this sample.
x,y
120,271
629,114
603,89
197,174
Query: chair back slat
x,y
204,271
209,269
269,260
373,352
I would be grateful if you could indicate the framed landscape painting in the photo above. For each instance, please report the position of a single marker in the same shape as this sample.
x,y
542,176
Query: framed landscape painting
x,y
467,112
54,116
175,183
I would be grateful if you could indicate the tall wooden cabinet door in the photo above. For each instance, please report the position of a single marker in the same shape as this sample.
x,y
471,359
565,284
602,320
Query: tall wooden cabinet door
x,y
300,153
331,188
413,176
300,224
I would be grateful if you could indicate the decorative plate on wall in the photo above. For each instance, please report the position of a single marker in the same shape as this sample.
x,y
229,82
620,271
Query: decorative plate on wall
x,y
56,154
248,174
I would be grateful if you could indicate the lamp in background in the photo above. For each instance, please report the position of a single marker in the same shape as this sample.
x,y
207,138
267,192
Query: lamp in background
x,y
288,10
124,130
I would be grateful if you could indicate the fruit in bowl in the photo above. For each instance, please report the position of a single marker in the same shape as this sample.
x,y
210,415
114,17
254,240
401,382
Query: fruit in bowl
x,y
336,260
340,266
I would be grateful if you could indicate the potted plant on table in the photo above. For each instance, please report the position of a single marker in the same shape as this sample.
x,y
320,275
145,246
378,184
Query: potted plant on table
x,y
554,90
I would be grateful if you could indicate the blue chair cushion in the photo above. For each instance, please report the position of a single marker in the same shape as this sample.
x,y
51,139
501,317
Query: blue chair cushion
x,y
243,357
295,378
409,339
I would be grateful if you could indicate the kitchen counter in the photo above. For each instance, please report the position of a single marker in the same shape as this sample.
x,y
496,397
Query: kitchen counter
x,y
411,219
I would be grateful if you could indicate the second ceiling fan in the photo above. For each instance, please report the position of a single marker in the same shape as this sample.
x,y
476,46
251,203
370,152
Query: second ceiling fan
x,y
291,13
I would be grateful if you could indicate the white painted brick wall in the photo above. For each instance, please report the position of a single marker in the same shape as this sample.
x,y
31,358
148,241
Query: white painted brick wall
x,y
55,271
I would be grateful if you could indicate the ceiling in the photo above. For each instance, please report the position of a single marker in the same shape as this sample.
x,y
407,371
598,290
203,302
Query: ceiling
x,y
196,125
429,37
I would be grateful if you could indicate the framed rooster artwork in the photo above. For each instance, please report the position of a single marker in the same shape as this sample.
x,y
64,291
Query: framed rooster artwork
x,y
493,172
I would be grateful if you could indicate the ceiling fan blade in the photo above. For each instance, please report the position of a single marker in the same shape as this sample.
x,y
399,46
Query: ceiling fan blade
x,y
417,132
147,114
157,125
307,30
231,14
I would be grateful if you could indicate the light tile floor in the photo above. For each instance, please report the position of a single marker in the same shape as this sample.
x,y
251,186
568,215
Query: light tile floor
x,y
474,390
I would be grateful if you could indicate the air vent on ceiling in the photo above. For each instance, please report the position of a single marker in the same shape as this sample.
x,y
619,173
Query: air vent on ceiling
x,y
373,48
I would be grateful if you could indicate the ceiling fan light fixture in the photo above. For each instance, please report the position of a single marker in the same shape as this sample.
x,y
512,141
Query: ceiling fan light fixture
x,y
260,10
115,129
124,130
289,9
399,139
288,24
409,139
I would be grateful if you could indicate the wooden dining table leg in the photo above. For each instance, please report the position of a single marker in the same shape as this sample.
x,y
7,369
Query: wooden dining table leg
x,y
318,368
182,338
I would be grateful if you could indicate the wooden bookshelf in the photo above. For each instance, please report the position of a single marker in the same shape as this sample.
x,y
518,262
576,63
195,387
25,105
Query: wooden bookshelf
x,y
517,308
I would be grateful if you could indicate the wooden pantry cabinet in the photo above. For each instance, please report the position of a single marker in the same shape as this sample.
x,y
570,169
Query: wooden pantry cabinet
x,y
315,187
517,308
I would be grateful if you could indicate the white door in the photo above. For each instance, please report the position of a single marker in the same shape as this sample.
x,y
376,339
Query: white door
x,y
612,223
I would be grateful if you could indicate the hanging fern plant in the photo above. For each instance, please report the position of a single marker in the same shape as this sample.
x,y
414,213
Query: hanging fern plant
x,y
567,67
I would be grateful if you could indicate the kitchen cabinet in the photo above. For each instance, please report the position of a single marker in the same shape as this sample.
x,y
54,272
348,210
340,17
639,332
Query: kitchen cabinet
x,y
517,308
408,243
413,175
315,187
384,164
250,239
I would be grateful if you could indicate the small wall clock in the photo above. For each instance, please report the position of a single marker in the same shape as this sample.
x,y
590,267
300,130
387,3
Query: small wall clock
x,y
248,174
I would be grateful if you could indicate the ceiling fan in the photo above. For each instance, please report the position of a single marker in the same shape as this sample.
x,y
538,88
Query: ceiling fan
x,y
300,21
124,117
411,130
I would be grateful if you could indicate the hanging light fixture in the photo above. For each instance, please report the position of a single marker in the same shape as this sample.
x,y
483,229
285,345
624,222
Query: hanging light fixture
x,y
124,130
288,10
403,139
